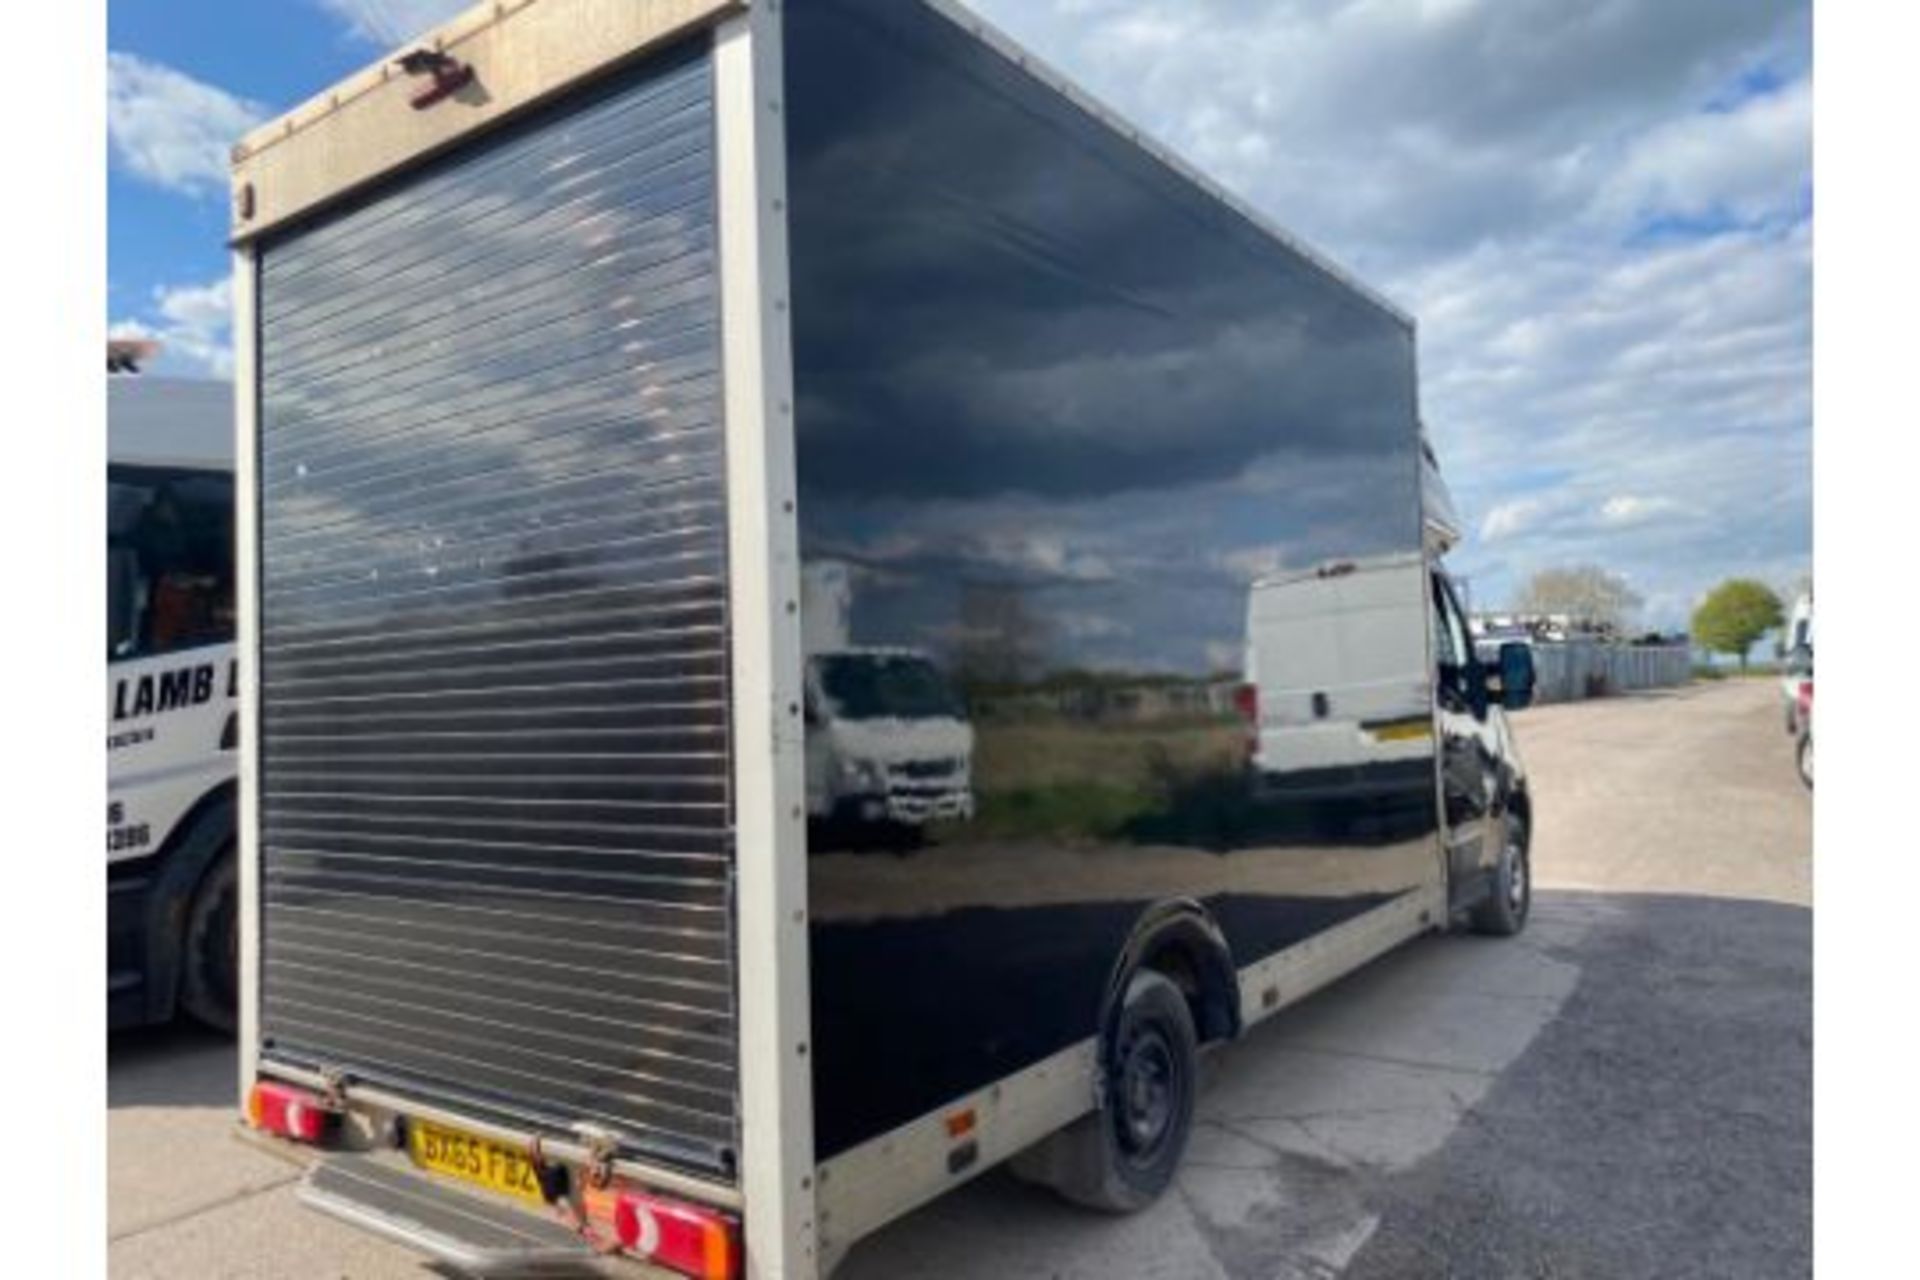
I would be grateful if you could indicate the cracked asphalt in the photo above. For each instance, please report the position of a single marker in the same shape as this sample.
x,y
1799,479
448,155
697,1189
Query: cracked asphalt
x,y
1623,1091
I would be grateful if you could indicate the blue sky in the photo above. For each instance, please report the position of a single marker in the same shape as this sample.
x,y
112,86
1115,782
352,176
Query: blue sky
x,y
272,53
1600,214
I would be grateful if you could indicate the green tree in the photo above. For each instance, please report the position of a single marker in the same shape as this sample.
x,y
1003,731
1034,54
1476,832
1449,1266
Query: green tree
x,y
1734,615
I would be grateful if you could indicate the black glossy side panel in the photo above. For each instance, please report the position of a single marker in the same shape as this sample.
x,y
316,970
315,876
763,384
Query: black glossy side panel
x,y
1058,410
496,831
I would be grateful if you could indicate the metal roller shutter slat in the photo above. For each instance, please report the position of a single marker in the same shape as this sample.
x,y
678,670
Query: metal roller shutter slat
x,y
495,809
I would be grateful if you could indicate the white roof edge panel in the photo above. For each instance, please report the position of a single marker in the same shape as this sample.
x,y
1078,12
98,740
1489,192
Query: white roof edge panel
x,y
519,54
1339,569
170,422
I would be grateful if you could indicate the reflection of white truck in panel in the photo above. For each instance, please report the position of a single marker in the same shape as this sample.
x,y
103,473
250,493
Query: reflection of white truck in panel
x,y
1338,682
171,729
888,741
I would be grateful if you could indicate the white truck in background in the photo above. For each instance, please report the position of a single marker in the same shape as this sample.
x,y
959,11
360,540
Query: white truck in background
x,y
171,687
888,744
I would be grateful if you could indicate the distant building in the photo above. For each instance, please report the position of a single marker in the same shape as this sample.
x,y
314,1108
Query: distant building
x,y
1491,630
1540,627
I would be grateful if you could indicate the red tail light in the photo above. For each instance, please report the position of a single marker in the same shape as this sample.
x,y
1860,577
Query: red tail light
x,y
289,1112
668,1233
1246,701
1806,696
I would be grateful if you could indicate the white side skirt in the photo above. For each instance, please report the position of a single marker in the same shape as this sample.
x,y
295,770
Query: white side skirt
x,y
863,1189
1286,977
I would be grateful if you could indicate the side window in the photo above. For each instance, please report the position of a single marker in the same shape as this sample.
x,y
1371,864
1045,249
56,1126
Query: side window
x,y
1451,648
170,572
1446,653
129,494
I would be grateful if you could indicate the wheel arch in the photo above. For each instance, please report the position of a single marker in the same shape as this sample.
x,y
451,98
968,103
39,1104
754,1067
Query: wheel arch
x,y
206,831
1180,939
1519,801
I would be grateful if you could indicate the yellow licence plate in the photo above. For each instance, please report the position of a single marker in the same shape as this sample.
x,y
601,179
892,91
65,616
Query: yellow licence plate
x,y
495,1166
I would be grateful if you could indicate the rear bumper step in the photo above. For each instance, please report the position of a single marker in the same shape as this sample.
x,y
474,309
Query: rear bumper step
x,y
472,1235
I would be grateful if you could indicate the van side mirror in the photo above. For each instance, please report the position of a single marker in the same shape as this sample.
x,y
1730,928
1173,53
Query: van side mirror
x,y
1516,675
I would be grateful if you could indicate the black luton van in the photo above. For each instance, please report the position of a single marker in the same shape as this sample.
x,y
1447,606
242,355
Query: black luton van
x,y
574,339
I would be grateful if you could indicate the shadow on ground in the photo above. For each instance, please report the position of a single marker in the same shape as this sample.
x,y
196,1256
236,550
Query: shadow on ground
x,y
1662,1125
1651,1116
173,1066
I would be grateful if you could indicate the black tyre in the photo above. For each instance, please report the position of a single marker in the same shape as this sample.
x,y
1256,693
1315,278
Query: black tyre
x,y
1804,757
1503,912
210,949
1120,1158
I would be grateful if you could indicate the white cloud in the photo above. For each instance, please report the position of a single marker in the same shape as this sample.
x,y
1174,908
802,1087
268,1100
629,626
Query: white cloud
x,y
1597,213
171,129
1739,162
1510,518
392,22
193,324
1629,508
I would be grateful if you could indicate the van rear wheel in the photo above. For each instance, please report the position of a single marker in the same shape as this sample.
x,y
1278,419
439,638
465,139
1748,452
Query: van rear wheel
x,y
1123,1156
210,951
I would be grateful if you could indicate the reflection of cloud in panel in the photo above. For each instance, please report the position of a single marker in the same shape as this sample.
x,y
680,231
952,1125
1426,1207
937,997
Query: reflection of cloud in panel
x,y
1049,555
1130,557
970,331
1089,426
1225,655
1029,364
1253,563
1291,511
995,555
1092,626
